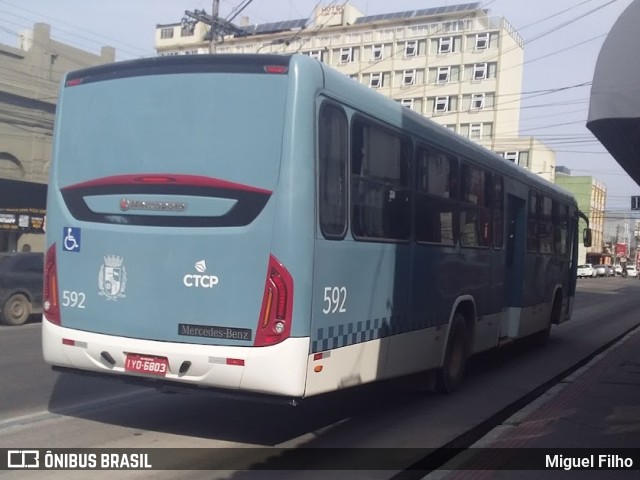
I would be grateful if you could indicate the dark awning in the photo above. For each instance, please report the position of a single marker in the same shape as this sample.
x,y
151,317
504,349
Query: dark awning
x,y
19,194
614,109
22,206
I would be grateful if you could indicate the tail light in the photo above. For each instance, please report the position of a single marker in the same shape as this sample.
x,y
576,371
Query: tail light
x,y
274,324
50,293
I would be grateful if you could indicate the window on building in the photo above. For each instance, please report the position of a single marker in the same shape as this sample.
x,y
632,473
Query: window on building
x,y
411,48
477,101
407,102
444,75
377,52
512,156
166,33
317,54
187,30
376,80
482,41
346,55
445,45
475,131
441,104
479,71
408,77
333,134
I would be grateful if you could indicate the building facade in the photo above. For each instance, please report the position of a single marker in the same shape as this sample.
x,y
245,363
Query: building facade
x,y
591,195
457,65
29,82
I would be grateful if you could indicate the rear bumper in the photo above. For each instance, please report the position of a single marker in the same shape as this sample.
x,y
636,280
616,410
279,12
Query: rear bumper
x,y
275,370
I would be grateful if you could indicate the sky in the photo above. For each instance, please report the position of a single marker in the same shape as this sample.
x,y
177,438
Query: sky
x,y
562,41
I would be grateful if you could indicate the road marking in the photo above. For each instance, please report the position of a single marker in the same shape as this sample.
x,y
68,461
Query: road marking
x,y
41,416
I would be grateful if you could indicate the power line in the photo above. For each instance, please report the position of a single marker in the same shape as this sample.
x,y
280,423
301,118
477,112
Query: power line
x,y
76,28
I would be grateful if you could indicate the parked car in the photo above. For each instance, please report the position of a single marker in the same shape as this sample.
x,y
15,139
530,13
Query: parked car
x,y
21,279
586,271
618,269
632,271
601,270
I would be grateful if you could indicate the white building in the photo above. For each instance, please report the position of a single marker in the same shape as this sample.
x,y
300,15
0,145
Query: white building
x,y
457,65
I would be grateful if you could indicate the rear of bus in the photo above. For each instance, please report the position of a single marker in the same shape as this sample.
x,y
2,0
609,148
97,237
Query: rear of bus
x,y
180,222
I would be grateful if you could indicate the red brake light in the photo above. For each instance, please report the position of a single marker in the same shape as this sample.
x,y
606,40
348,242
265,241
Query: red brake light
x,y
155,179
276,69
74,82
274,323
50,290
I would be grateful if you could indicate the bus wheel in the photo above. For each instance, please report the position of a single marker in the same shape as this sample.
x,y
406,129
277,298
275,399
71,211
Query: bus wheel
x,y
16,310
542,337
449,377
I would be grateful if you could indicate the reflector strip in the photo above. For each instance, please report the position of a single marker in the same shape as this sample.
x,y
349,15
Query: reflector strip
x,y
239,362
74,343
267,311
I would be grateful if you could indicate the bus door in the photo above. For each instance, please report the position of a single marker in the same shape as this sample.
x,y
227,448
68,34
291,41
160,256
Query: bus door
x,y
514,268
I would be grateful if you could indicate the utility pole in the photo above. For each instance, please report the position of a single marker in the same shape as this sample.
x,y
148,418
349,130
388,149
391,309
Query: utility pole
x,y
217,26
215,9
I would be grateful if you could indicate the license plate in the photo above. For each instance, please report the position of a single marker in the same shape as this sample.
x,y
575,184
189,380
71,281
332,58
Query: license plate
x,y
149,365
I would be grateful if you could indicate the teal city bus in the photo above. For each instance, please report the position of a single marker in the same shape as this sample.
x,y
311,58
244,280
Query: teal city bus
x,y
261,224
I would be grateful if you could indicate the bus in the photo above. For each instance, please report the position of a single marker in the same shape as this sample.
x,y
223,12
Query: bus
x,y
263,225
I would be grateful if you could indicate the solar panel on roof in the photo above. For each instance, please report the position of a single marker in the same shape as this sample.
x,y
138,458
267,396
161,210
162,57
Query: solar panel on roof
x,y
275,26
419,13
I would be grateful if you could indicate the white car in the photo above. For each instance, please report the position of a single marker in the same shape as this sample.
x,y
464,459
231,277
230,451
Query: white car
x,y
586,271
602,270
632,271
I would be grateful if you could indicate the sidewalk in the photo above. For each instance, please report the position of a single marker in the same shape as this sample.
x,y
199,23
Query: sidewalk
x,y
597,407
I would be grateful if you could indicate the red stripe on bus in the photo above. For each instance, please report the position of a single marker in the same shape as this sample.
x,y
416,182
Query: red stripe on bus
x,y
166,179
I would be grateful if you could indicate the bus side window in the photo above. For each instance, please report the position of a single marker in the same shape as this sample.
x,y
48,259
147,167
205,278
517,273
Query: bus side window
x,y
380,192
436,197
332,158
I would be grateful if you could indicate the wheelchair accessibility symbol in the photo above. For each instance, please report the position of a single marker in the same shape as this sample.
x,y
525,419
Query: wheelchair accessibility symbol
x,y
71,239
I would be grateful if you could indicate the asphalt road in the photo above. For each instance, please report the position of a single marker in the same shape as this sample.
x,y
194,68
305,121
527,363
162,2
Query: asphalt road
x,y
40,408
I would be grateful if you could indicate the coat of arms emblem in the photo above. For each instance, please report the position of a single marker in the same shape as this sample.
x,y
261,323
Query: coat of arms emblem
x,y
113,278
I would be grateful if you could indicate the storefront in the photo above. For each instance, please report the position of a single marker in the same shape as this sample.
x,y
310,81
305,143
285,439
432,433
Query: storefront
x,y
22,215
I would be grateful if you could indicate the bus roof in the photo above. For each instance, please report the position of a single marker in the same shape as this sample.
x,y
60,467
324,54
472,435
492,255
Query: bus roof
x,y
220,63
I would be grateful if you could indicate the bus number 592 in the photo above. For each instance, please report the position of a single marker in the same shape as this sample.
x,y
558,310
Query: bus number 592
x,y
334,300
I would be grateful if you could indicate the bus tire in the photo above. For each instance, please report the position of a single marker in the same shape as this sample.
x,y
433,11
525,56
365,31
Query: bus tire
x,y
541,338
16,310
449,376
